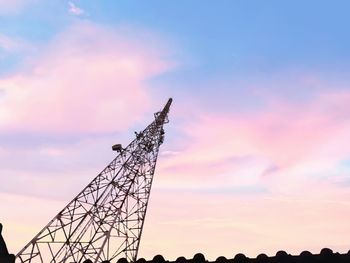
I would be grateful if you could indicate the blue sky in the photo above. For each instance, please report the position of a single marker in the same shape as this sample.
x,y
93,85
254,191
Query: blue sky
x,y
223,37
259,120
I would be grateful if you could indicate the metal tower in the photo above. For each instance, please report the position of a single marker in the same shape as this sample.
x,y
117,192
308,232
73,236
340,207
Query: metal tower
x,y
105,220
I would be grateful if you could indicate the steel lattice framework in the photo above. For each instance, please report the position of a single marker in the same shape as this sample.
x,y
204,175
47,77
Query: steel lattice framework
x,y
105,220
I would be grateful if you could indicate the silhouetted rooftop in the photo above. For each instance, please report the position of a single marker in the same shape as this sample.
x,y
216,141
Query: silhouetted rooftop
x,y
326,255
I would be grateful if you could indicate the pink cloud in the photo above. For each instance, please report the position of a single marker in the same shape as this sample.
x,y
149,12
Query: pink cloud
x,y
80,83
287,148
7,43
88,79
73,9
285,139
13,6
12,45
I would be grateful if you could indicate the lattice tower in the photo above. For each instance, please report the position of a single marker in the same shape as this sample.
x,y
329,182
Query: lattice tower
x,y
105,220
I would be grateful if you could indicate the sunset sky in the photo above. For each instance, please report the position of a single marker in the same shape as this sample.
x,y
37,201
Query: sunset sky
x,y
256,156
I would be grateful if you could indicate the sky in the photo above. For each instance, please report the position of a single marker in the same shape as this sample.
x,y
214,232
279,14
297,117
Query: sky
x,y
256,156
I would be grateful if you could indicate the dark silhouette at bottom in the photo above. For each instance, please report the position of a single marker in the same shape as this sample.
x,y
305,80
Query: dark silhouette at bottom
x,y
5,257
326,256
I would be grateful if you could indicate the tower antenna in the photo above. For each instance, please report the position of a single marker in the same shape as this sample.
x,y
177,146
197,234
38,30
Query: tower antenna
x,y
105,220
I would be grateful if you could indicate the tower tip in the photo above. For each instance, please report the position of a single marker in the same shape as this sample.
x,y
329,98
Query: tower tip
x,y
167,106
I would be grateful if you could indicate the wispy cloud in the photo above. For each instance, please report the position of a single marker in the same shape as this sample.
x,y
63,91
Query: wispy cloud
x,y
14,6
83,83
13,45
301,143
7,43
75,10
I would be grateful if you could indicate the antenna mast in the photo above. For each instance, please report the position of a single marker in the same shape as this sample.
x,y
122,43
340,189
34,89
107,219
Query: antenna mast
x,y
105,220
